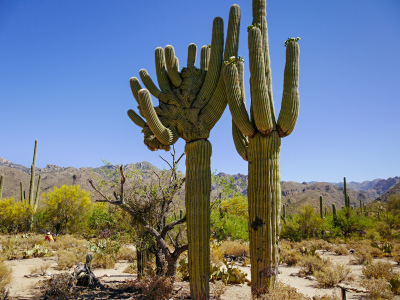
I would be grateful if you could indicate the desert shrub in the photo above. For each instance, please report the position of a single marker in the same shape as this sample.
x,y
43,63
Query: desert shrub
x,y
5,278
229,274
183,269
217,289
216,253
396,257
103,261
291,258
155,288
283,292
334,296
378,288
126,253
311,264
67,259
361,257
341,250
330,276
15,216
131,269
59,286
66,208
235,248
379,269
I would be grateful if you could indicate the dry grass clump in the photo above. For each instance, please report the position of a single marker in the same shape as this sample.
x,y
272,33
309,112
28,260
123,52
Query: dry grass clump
x,y
67,242
126,253
311,264
327,297
5,278
235,248
379,269
396,254
378,288
40,270
216,254
67,259
283,292
155,288
331,275
361,257
341,250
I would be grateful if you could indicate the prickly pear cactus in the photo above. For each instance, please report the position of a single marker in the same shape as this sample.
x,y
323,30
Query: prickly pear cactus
x,y
258,140
191,101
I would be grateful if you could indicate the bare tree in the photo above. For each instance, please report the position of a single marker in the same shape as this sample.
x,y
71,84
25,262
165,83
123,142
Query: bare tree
x,y
150,204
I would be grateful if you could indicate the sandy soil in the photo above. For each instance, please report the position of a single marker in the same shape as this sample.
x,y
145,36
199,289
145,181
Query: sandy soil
x,y
22,287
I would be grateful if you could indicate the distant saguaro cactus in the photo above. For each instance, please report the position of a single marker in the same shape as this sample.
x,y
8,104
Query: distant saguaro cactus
x,y
1,186
321,207
334,213
258,140
190,104
33,202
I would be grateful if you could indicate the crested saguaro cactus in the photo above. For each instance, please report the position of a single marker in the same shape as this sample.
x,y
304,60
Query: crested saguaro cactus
x,y
190,103
258,140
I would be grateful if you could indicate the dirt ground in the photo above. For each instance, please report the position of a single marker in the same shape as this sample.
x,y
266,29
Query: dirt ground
x,y
22,287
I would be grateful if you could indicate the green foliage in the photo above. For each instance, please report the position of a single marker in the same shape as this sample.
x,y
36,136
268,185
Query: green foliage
x,y
65,209
14,216
37,251
306,224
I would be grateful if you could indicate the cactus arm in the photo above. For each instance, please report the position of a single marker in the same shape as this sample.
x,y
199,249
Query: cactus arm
x,y
1,186
37,194
136,118
165,135
192,53
290,98
240,140
172,66
217,104
214,66
259,17
205,57
259,92
236,102
149,84
162,75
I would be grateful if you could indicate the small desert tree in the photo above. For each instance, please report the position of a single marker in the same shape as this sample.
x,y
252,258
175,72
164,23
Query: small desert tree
x,y
65,208
150,203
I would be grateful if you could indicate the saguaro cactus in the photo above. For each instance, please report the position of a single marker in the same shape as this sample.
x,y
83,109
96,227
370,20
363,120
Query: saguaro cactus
x,y
334,213
321,207
1,186
33,202
190,104
258,141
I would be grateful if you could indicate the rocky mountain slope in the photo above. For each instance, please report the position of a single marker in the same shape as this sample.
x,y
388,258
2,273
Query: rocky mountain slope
x,y
294,194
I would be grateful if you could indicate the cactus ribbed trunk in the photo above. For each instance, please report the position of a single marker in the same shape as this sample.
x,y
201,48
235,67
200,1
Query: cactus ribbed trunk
x,y
264,196
198,188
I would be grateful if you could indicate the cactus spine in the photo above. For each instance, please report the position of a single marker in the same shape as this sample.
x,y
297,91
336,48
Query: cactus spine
x,y
190,104
321,207
1,186
258,140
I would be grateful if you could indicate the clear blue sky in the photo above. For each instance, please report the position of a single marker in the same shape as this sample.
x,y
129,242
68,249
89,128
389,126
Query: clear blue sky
x,y
65,69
